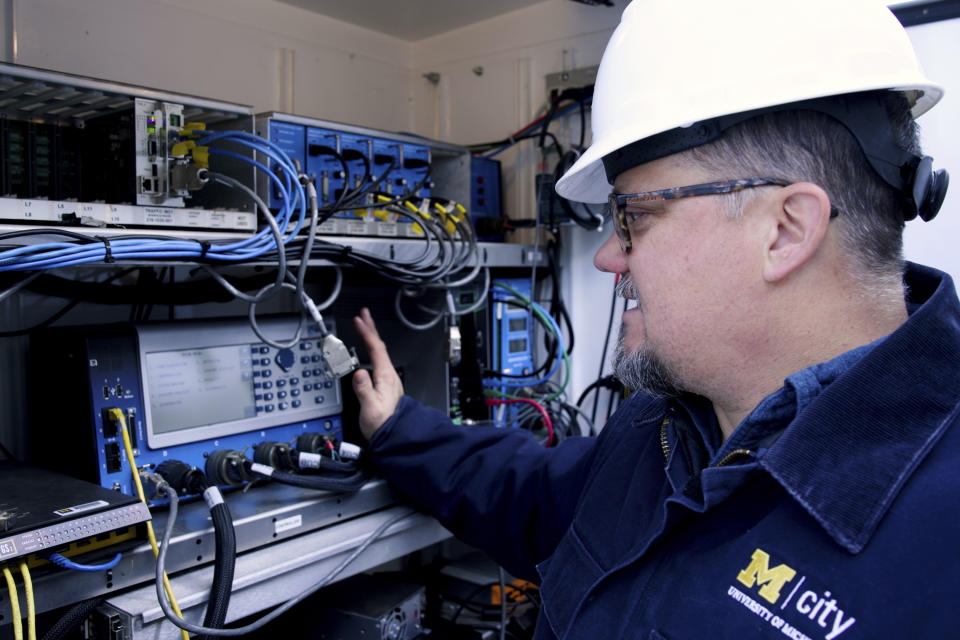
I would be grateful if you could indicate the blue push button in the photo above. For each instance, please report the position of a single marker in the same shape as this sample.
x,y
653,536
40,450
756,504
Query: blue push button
x,y
294,392
281,394
318,400
285,359
259,396
328,384
305,359
296,404
306,373
268,385
294,381
257,385
254,350
281,383
264,349
256,374
268,396
304,346
318,373
315,357
308,387
265,362
267,373
268,408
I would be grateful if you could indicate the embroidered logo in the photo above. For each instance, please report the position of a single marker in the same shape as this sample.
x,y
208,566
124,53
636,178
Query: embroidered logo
x,y
770,582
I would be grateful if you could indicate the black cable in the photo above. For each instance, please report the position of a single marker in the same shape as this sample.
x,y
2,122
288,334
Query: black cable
x,y
470,604
61,312
606,345
171,309
6,452
223,570
327,464
583,121
605,382
356,203
328,482
72,619
592,221
558,308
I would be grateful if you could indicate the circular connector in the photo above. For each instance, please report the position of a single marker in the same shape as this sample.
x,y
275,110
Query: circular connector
x,y
275,454
184,478
227,467
311,442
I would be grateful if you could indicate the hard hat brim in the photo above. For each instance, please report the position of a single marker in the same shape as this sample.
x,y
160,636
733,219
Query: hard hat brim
x,y
586,180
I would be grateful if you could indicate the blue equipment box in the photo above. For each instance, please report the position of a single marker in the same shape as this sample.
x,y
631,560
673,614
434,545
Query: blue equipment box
x,y
511,343
186,389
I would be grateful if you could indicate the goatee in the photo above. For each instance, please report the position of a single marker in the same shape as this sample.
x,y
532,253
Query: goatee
x,y
641,370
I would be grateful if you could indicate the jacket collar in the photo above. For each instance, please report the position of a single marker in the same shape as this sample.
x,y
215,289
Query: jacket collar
x,y
849,452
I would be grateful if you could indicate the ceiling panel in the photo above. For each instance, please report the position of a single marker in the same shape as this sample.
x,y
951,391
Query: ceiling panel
x,y
411,19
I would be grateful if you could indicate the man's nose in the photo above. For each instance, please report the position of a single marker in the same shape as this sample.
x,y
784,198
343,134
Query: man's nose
x,y
610,257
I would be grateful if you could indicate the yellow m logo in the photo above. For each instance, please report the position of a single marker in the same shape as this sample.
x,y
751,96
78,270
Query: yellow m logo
x,y
759,571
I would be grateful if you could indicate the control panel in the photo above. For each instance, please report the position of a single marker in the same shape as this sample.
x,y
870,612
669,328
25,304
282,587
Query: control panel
x,y
186,389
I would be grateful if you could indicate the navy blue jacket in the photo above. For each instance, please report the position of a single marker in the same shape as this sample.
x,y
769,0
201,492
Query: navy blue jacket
x,y
843,524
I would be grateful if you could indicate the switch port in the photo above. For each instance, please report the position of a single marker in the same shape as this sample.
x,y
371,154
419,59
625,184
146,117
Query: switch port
x,y
110,426
112,453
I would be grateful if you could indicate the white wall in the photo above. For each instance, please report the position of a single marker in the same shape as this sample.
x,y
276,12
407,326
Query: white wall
x,y
262,53
936,243
516,51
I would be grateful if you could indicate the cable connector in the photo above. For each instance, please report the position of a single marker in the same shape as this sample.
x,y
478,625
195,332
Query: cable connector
x,y
454,345
349,451
339,359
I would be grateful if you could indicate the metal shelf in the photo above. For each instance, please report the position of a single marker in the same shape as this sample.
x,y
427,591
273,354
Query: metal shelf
x,y
30,93
272,575
264,519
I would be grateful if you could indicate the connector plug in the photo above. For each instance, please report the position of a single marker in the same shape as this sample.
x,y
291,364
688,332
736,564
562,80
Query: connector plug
x,y
339,359
184,478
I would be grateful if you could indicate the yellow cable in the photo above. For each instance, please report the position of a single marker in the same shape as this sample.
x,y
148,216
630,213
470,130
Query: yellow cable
x,y
117,415
28,594
14,604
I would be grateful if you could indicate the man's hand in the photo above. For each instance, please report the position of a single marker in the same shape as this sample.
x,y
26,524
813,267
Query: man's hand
x,y
378,397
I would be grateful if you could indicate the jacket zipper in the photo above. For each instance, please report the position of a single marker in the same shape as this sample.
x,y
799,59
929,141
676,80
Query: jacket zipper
x,y
733,454
664,443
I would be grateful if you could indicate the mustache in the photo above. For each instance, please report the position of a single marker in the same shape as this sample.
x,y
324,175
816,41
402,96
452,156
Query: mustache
x,y
627,289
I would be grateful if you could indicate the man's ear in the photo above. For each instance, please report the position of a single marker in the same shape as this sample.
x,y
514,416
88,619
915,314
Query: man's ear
x,y
800,217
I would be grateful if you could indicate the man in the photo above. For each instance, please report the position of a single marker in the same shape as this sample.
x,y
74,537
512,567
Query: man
x,y
788,465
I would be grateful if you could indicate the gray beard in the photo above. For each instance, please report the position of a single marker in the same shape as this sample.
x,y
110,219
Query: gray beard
x,y
642,370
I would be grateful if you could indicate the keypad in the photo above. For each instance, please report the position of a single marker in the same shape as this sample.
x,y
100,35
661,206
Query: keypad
x,y
293,388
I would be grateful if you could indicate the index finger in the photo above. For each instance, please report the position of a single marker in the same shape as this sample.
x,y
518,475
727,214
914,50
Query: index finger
x,y
367,329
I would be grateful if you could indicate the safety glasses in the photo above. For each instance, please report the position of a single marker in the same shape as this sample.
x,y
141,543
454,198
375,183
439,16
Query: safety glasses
x,y
624,215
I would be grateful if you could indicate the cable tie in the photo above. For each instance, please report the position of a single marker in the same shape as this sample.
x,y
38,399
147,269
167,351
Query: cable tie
x,y
204,247
108,258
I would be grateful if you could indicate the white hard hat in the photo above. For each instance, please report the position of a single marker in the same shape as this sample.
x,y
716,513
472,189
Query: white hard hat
x,y
671,64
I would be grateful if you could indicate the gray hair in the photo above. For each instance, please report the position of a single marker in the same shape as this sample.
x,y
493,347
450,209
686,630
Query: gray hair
x,y
808,146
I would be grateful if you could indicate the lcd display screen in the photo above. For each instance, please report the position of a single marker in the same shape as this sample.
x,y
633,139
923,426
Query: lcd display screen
x,y
518,324
195,387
